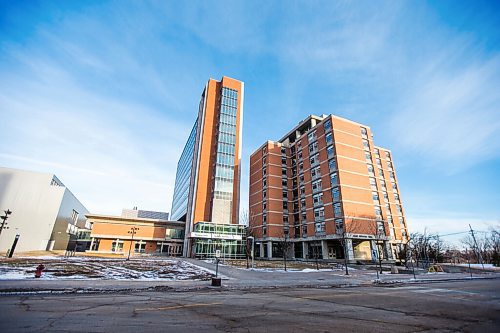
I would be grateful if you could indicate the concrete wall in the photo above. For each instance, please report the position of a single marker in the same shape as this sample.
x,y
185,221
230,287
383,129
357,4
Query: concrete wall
x,y
40,211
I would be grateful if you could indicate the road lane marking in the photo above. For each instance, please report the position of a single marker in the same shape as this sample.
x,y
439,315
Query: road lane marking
x,y
178,306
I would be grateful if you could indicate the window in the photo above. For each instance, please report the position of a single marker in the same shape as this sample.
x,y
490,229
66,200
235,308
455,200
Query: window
x,y
380,173
140,247
299,155
285,194
264,194
264,182
304,216
366,145
283,150
283,182
386,198
303,203
332,165
378,212
328,125
283,172
336,194
311,136
396,197
319,227
302,190
368,157
391,175
375,196
264,171
264,205
264,230
363,132
316,185
339,225
329,138
301,166
285,219
117,246
304,230
314,159
319,213
382,183
388,209
399,209
283,160
301,179
315,172
379,163
285,205
318,199
334,179
313,147
264,218
329,151
74,216
387,155
377,152
337,210
264,160
264,150
370,170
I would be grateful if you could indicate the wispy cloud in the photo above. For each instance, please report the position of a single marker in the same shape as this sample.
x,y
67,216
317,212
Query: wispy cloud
x,y
448,117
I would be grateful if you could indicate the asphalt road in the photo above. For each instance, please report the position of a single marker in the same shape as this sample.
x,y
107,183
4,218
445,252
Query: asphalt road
x,y
468,306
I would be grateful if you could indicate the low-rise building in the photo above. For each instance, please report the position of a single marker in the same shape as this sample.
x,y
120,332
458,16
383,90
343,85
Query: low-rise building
x,y
121,234
45,214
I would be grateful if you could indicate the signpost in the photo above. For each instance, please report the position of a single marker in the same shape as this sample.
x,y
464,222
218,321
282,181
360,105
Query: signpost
x,y
216,281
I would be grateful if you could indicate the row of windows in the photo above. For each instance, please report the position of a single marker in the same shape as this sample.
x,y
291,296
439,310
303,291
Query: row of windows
x,y
228,92
227,119
225,148
229,101
226,128
228,110
227,138
226,172
225,159
223,185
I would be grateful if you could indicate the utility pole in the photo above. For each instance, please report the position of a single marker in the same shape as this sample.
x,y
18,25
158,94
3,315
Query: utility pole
x,y
4,220
478,253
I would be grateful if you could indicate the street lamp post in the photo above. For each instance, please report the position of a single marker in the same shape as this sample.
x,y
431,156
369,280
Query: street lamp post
x,y
132,231
4,220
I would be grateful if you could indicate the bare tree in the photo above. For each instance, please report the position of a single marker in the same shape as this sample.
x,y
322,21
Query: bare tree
x,y
285,246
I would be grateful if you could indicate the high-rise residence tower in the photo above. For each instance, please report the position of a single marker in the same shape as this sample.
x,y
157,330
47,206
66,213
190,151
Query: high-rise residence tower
x,y
207,185
329,191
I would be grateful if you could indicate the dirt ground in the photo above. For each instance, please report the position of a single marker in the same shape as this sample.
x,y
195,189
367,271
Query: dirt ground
x,y
60,267
278,264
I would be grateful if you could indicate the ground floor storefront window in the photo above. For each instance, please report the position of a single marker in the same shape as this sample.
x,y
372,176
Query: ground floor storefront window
x,y
168,248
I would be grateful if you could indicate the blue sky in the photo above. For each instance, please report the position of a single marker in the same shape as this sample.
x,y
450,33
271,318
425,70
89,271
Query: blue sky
x,y
104,93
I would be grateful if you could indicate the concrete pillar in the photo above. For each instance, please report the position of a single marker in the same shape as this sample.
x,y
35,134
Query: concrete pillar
x,y
374,247
305,250
324,249
349,250
269,250
261,249
388,250
92,243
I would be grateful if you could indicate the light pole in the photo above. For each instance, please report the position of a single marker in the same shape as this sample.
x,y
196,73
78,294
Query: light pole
x,y
132,231
4,220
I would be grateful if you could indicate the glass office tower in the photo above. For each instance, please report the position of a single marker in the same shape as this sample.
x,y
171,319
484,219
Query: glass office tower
x,y
207,186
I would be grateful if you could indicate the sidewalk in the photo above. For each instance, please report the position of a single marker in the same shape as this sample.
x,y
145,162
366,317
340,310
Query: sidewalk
x,y
233,278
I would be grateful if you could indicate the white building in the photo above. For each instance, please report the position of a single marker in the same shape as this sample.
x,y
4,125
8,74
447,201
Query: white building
x,y
45,213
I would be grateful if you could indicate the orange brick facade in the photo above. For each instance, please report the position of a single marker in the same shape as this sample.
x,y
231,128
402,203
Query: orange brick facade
x,y
323,185
113,234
